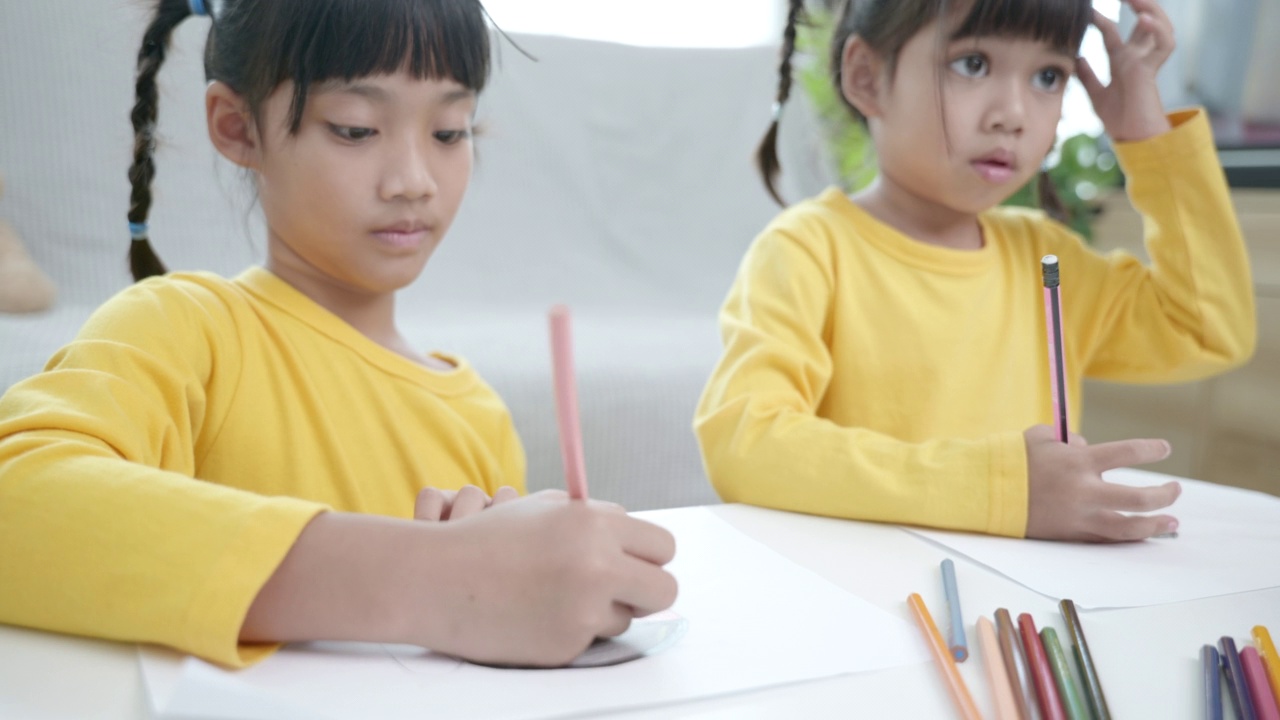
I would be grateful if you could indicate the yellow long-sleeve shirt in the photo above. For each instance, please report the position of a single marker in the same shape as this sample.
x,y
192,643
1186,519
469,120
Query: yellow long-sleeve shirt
x,y
154,476
868,375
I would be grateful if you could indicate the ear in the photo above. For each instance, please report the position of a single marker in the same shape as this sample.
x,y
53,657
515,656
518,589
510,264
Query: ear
x,y
231,127
861,76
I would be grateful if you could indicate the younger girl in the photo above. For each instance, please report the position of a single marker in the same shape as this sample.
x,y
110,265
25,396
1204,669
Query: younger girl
x,y
218,464
885,354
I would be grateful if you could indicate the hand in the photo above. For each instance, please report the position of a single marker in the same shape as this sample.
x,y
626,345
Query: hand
x,y
436,505
1130,107
534,581
531,581
1069,500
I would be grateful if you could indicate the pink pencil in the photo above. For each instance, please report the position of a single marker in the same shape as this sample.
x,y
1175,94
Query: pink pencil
x,y
1264,701
575,468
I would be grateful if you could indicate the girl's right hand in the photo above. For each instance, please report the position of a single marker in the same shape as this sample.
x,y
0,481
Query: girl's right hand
x,y
1069,500
534,581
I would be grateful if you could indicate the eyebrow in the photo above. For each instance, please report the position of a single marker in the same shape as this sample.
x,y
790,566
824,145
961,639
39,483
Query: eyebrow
x,y
380,95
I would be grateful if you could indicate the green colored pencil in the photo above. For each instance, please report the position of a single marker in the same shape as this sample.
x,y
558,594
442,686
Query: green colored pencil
x,y
1072,701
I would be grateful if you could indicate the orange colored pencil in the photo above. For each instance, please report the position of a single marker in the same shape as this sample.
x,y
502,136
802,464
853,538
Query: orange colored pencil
x,y
1270,660
942,654
997,675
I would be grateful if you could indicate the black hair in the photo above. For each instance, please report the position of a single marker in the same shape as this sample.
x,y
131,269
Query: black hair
x,y
887,25
255,45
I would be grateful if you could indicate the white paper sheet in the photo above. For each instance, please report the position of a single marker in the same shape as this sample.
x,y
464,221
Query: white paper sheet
x,y
755,618
1228,542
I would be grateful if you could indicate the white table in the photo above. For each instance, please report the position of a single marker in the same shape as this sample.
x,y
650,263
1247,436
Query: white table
x,y
1147,657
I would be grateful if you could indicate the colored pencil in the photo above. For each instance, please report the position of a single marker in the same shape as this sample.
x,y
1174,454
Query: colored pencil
x,y
1270,659
1015,665
1211,667
941,654
1053,330
1050,704
1072,702
1238,691
575,467
1001,691
1088,671
955,635
1255,676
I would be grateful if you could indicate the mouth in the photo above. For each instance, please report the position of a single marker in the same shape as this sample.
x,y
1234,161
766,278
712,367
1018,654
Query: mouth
x,y
406,234
997,167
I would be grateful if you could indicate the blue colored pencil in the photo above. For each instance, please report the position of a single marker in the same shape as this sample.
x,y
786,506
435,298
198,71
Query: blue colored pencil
x,y
1212,682
1236,683
955,633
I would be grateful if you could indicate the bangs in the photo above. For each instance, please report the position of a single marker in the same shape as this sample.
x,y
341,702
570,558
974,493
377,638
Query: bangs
x,y
350,39
1061,23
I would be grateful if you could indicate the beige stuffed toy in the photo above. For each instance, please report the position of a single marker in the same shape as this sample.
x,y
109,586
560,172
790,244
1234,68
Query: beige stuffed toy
x,y
23,288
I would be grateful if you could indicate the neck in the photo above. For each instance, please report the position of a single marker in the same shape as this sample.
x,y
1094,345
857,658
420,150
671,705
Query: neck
x,y
371,314
918,217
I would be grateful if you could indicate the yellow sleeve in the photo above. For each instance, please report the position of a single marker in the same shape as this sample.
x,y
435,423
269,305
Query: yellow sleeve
x,y
1191,312
103,529
763,443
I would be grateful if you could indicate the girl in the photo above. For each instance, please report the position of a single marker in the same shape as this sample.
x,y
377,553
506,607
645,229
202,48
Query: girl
x,y
885,354
217,464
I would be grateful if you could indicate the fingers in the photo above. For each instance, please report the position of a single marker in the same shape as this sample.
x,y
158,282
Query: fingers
x,y
1114,527
645,588
1040,433
617,622
1111,38
645,541
469,501
1124,453
1077,440
1138,499
1153,38
431,503
1092,85
1155,13
506,493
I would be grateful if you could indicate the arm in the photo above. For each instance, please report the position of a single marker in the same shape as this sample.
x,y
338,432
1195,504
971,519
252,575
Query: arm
x,y
1191,313
763,442
532,581
103,529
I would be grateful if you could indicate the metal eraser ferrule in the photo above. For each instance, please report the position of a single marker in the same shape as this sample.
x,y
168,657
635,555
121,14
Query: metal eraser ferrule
x,y
1049,266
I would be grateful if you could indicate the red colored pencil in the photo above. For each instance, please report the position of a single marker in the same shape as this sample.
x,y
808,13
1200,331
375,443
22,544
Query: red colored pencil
x,y
1046,690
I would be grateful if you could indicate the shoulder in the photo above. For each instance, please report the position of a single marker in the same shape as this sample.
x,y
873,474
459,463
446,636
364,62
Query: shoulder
x,y
814,228
168,305
1032,227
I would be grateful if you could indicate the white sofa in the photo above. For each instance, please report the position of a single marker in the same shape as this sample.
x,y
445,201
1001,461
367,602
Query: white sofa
x,y
616,179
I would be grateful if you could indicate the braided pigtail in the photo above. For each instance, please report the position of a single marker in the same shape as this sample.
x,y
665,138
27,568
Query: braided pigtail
x,y
1049,199
767,153
143,261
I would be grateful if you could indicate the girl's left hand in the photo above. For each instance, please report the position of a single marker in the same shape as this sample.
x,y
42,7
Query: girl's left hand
x,y
1130,107
437,505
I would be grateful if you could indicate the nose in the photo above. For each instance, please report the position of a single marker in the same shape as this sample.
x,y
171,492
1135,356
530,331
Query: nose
x,y
407,171
1007,109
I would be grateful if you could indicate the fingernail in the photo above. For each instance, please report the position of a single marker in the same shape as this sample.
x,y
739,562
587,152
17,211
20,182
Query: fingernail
x,y
1168,449
1171,526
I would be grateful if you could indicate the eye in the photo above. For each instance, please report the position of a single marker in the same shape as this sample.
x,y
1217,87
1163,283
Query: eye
x,y
973,65
451,137
352,134
1050,79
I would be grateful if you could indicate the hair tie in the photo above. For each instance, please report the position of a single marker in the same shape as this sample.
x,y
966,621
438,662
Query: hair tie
x,y
777,111
197,7
138,231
